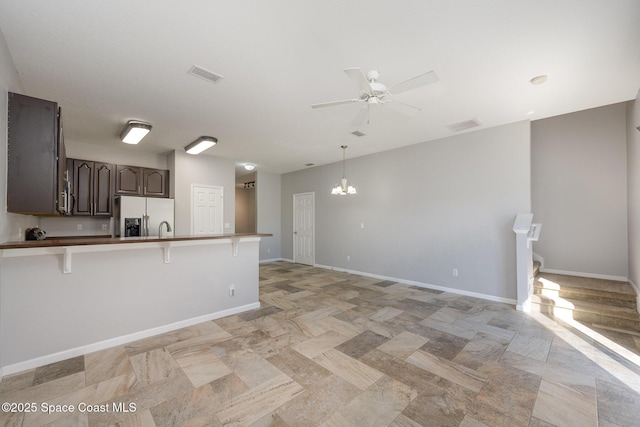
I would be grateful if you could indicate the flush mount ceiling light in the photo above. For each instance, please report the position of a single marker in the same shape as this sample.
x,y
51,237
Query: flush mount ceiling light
x,y
201,144
538,80
249,166
343,188
134,132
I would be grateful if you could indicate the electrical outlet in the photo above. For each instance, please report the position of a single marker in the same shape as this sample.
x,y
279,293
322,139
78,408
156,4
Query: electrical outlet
x,y
232,290
79,227
105,227
455,271
348,257
362,225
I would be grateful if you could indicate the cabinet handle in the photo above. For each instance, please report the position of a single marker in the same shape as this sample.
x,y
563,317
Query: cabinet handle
x,y
63,209
138,189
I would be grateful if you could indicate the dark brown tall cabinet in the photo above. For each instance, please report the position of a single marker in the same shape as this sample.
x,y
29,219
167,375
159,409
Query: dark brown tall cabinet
x,y
93,187
35,157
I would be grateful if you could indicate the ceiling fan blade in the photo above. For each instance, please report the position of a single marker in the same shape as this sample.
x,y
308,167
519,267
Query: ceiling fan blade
x,y
415,82
362,115
359,78
402,108
332,103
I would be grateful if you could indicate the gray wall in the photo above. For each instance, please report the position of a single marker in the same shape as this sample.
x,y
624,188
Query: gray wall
x,y
579,189
201,170
633,189
426,209
268,186
11,226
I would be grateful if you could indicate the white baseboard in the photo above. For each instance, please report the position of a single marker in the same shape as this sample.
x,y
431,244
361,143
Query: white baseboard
x,y
90,348
637,291
271,260
424,285
589,275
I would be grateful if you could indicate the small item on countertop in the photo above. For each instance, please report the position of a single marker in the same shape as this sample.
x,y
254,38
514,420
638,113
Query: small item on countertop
x,y
35,234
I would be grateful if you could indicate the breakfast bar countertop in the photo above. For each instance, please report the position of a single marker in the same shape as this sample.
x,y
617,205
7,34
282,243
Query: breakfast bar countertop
x,y
53,242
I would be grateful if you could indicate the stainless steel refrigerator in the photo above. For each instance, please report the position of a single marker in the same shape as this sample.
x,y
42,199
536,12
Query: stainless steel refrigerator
x,y
142,216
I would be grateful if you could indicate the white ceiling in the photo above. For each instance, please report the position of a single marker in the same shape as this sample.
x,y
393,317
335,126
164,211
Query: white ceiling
x,y
107,62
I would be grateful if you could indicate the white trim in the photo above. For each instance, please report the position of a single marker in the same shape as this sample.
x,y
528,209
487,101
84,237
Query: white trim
x,y
262,261
90,348
540,259
637,291
589,275
423,285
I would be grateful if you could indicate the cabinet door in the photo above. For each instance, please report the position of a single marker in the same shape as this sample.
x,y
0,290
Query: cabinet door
x,y
32,130
156,182
129,180
103,184
82,187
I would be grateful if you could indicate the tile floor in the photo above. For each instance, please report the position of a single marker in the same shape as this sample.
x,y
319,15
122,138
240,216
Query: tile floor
x,y
333,349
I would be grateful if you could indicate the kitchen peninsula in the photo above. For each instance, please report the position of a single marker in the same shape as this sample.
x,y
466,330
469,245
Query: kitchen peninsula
x,y
61,298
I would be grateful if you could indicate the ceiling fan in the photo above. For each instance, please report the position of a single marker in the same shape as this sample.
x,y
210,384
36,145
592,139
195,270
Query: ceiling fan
x,y
374,93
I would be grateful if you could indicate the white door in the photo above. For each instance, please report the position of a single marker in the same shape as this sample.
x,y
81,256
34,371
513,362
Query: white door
x,y
206,209
303,228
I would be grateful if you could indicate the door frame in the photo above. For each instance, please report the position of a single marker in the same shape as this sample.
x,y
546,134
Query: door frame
x,y
313,225
193,211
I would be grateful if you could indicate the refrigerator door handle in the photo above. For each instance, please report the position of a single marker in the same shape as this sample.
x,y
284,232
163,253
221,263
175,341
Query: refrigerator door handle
x,y
146,225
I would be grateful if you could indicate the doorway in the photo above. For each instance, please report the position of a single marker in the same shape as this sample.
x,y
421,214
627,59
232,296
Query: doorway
x,y
206,209
304,228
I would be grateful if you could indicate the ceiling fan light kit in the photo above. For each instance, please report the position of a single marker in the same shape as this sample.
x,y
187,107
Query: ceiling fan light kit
x,y
343,187
374,93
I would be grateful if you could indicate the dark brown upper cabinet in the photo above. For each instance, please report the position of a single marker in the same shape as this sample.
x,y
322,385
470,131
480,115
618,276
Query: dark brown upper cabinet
x,y
93,187
138,181
155,182
36,161
129,180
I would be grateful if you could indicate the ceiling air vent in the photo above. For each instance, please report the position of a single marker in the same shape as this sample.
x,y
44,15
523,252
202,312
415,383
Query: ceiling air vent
x,y
309,164
205,74
357,133
457,127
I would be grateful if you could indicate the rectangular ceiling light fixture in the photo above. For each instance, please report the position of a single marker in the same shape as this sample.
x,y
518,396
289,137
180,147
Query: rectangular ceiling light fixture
x,y
203,73
134,131
201,144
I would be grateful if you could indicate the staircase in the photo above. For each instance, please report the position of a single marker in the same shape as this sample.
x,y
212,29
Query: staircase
x,y
605,304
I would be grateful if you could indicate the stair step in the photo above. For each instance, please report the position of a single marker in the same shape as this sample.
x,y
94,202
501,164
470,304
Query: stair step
x,y
606,298
591,312
609,303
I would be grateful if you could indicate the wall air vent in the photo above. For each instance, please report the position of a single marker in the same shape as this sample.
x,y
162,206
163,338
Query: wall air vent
x,y
205,74
457,127
357,133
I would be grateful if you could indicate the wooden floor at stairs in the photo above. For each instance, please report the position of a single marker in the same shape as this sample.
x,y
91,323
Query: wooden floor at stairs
x,y
607,307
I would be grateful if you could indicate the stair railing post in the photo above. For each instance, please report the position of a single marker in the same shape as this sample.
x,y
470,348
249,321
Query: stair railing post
x,y
526,232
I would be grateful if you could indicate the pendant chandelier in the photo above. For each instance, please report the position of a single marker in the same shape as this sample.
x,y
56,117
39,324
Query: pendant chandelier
x,y
343,188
